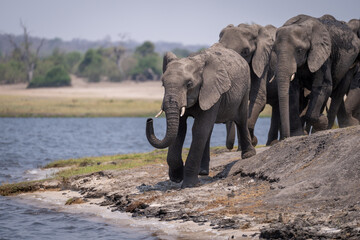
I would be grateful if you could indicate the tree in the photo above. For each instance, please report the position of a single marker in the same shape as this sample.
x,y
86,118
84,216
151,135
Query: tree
x,y
119,56
28,57
91,66
56,77
145,49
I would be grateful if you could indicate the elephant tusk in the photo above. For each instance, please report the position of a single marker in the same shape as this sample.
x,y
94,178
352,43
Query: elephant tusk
x,y
272,79
292,77
182,111
157,115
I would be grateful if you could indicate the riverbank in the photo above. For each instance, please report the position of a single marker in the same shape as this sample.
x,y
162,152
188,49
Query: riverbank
x,y
303,187
83,99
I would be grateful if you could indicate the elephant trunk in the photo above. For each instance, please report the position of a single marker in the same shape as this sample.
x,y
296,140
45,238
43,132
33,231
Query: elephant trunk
x,y
284,74
172,124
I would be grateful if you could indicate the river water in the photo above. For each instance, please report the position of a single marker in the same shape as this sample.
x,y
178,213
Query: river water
x,y
26,144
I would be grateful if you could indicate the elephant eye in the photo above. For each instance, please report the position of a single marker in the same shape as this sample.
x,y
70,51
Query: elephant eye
x,y
189,84
245,52
299,50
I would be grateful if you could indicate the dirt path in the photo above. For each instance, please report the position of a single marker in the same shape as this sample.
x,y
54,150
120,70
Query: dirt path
x,y
301,188
83,89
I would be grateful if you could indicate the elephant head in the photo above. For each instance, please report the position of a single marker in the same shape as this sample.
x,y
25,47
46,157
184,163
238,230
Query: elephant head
x,y
354,24
302,41
252,42
200,79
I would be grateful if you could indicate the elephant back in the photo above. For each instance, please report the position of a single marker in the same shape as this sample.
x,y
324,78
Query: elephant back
x,y
236,66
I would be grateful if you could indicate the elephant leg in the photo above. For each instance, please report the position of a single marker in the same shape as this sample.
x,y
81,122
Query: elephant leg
x,y
174,156
273,133
320,93
205,161
247,149
352,104
255,109
296,127
346,116
337,97
201,133
230,135
256,105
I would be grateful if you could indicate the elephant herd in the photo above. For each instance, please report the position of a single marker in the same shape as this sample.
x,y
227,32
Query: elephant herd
x,y
307,70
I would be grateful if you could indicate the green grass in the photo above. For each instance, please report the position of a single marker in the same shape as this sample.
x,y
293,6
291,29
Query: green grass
x,y
88,165
15,188
117,162
21,106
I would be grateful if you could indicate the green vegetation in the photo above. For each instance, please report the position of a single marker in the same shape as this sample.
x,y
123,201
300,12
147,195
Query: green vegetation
x,y
116,63
148,64
56,77
91,66
73,167
16,188
20,106
12,71
118,162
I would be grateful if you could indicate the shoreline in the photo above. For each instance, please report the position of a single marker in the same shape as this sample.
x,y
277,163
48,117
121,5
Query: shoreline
x,y
170,230
303,185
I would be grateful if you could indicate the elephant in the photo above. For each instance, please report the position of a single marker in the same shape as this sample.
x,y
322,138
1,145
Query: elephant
x,y
254,43
349,112
212,87
316,54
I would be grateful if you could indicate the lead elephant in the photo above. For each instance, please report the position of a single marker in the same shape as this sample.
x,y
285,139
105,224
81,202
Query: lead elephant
x,y
213,87
254,43
312,53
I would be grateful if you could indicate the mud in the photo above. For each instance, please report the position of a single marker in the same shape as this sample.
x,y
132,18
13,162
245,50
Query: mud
x,y
302,188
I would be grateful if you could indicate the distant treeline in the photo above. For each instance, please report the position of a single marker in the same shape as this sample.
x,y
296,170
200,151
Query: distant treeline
x,y
42,63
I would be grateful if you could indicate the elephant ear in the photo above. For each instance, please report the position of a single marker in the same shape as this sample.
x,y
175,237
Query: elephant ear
x,y
320,46
168,57
264,43
273,61
216,81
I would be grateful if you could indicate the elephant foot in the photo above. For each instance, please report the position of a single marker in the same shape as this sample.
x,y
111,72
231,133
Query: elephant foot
x,y
248,153
190,182
273,142
204,172
176,175
229,145
319,124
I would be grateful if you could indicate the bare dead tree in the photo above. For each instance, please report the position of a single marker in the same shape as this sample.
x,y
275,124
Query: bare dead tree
x,y
29,57
119,52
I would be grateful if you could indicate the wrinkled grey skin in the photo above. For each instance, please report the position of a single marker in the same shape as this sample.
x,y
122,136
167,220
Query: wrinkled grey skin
x,y
254,44
214,87
349,112
320,51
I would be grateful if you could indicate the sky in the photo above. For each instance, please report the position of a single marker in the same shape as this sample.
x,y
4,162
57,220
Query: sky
x,y
183,21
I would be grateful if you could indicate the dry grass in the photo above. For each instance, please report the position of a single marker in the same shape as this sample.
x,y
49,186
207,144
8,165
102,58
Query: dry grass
x,y
30,106
34,106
